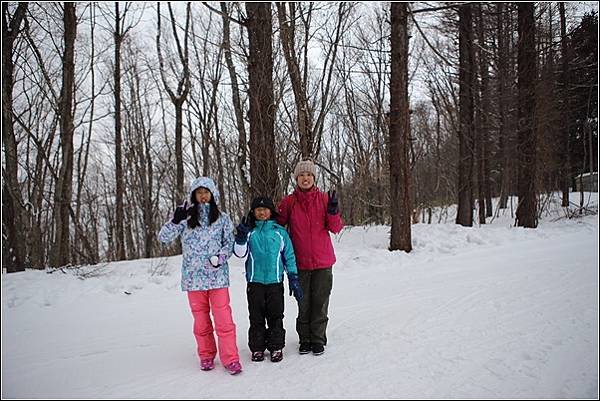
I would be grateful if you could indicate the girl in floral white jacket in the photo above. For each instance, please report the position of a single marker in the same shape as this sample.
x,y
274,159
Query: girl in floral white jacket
x,y
207,243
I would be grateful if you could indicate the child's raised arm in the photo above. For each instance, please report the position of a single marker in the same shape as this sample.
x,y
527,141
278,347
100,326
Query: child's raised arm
x,y
171,230
240,249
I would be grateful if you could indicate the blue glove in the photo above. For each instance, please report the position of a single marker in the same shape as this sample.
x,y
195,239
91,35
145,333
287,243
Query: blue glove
x,y
332,203
241,232
295,288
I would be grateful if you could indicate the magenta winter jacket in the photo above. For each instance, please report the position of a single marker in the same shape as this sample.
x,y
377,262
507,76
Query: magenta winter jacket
x,y
305,214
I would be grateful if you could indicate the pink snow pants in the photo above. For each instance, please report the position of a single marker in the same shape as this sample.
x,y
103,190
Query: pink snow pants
x,y
217,301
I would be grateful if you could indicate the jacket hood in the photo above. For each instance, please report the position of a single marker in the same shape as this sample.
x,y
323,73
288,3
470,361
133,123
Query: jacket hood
x,y
207,183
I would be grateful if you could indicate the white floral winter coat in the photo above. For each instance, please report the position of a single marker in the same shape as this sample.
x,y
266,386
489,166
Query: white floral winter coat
x,y
202,242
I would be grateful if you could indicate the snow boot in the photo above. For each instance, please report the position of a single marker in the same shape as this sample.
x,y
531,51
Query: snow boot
x,y
277,355
234,368
318,349
305,348
258,356
207,364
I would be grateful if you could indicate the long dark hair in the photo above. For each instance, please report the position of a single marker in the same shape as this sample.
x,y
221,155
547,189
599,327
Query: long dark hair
x,y
213,213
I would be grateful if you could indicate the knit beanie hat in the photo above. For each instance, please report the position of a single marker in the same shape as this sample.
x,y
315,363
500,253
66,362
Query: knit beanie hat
x,y
262,201
305,166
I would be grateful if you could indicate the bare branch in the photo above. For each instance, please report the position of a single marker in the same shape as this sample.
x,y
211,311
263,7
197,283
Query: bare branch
x,y
427,40
224,15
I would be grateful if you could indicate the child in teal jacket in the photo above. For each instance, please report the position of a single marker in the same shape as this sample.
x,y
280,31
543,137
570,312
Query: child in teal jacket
x,y
270,253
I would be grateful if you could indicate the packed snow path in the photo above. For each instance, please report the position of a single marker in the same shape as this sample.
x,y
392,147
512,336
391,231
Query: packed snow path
x,y
483,312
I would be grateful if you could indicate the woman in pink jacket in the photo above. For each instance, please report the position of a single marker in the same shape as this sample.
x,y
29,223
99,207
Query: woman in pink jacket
x,y
310,215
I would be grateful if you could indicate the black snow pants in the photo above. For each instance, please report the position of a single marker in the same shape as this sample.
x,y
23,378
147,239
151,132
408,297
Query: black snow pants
x,y
265,303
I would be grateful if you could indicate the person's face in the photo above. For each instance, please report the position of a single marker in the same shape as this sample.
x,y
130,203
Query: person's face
x,y
305,180
262,213
203,195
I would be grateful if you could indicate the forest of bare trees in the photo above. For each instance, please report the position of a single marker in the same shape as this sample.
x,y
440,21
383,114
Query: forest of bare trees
x,y
109,110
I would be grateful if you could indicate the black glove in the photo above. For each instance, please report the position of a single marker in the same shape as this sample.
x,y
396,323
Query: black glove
x,y
332,204
181,213
242,230
295,288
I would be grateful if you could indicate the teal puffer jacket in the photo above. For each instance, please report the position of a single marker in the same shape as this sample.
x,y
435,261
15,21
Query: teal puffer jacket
x,y
270,253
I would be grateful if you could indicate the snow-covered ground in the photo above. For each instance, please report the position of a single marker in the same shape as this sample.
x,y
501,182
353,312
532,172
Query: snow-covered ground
x,y
486,312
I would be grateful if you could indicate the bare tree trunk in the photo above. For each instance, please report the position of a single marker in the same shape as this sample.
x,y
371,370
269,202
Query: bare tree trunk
x,y
527,208
178,103
484,196
148,215
263,167
64,185
477,124
328,67
139,141
38,242
149,212
178,97
503,133
219,159
120,234
485,113
380,134
303,112
37,247
564,150
400,238
310,128
13,246
130,226
465,136
237,104
84,149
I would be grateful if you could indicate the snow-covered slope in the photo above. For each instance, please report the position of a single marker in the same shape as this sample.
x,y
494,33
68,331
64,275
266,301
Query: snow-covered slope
x,y
484,312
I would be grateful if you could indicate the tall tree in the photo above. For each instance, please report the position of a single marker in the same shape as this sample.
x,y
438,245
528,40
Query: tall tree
x,y
84,153
502,32
263,166
43,102
118,35
583,65
242,152
13,248
399,142
483,161
526,147
206,71
64,185
465,135
143,186
304,115
565,168
310,116
179,96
